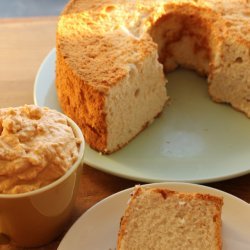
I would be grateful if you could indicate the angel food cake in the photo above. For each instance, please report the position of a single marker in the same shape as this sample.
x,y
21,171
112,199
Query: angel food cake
x,y
160,219
111,57
37,146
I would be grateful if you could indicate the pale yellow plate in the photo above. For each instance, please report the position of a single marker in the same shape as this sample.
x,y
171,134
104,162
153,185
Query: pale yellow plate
x,y
194,140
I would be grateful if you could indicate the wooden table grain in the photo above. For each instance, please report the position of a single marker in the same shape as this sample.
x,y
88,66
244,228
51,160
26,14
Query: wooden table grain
x,y
23,45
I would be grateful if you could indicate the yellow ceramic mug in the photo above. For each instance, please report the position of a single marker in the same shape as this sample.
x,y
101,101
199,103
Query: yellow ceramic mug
x,y
37,217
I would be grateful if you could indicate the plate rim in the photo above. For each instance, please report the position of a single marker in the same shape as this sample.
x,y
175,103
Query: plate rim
x,y
102,167
171,185
153,180
50,54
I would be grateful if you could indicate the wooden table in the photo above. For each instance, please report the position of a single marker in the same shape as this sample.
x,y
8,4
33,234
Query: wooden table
x,y
23,45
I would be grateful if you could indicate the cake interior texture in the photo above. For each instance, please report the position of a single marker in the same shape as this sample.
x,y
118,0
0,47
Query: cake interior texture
x,y
127,113
164,219
112,55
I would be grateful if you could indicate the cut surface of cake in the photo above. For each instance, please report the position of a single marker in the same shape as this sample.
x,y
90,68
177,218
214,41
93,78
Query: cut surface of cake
x,y
111,57
162,219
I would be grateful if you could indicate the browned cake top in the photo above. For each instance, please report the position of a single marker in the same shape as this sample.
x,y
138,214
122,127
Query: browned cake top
x,y
101,40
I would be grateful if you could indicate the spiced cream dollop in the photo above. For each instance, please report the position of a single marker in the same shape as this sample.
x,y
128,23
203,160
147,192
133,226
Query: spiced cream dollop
x,y
37,146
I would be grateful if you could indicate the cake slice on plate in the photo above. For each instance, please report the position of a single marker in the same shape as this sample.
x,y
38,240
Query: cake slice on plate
x,y
159,218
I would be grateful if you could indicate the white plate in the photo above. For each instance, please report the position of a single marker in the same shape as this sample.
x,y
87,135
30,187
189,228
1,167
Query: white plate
x,y
194,140
97,229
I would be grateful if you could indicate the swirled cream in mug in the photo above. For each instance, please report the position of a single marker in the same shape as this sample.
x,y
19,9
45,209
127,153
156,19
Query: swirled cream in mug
x,y
37,146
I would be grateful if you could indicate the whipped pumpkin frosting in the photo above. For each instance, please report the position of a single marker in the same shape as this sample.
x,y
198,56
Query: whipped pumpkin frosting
x,y
37,146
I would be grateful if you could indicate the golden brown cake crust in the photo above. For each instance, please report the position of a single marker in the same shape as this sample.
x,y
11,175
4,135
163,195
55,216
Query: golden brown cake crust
x,y
72,92
94,44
